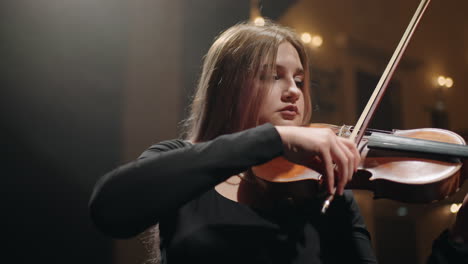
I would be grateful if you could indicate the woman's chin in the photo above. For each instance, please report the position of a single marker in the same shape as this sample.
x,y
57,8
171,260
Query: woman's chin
x,y
286,122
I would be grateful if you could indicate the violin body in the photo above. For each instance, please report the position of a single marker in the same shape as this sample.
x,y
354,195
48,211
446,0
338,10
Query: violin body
x,y
405,176
416,175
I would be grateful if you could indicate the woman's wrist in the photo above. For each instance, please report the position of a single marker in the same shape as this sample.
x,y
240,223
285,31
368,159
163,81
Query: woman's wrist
x,y
284,132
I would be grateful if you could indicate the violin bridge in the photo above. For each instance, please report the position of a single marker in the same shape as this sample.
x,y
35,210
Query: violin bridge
x,y
345,131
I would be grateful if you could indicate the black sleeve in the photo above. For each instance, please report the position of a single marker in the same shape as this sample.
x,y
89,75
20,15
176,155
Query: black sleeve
x,y
446,251
360,238
138,194
344,235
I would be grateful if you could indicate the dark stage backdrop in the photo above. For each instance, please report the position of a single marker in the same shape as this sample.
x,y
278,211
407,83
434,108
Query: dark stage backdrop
x,y
64,69
62,75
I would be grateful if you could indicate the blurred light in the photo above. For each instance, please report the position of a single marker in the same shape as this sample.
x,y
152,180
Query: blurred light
x,y
441,80
341,40
448,82
306,37
454,208
317,41
402,211
259,21
445,81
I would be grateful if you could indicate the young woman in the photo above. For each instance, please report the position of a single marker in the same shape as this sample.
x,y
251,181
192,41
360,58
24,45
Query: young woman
x,y
250,107
251,101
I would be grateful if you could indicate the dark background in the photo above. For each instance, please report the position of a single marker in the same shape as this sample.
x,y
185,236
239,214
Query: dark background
x,y
64,72
87,85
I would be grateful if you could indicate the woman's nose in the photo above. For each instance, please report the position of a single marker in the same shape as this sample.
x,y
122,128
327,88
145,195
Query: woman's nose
x,y
292,93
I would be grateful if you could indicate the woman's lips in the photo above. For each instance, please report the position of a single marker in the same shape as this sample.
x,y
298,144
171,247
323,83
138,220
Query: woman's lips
x,y
289,112
289,115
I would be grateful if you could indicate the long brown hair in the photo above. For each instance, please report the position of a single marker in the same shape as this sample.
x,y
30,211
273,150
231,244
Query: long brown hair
x,y
226,101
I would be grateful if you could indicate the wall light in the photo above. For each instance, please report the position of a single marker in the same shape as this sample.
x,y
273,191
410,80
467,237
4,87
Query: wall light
x,y
317,41
448,82
454,208
306,37
443,81
259,21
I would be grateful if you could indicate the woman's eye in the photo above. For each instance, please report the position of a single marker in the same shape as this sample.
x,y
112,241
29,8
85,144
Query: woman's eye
x,y
276,77
299,83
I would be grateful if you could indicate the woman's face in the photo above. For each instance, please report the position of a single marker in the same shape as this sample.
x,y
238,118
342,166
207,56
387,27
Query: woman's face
x,y
284,103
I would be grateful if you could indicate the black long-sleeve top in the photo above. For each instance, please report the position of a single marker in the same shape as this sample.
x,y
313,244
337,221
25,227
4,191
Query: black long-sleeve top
x,y
173,183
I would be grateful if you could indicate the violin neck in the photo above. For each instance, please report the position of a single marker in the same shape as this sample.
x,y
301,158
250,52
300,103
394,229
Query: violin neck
x,y
392,142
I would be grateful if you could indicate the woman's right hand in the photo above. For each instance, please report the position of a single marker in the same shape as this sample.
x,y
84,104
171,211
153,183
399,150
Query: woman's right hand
x,y
320,149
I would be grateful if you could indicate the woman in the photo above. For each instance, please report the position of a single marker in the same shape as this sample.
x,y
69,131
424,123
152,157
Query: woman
x,y
251,103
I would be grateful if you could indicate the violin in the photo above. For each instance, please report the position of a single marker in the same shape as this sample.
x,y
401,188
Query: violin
x,y
415,166
419,165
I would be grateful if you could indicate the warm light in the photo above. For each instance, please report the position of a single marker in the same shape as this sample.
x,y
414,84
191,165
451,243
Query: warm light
x,y
445,81
306,37
454,208
448,82
441,80
259,21
317,41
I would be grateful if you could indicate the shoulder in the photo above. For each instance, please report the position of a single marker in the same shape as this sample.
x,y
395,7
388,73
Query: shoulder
x,y
164,146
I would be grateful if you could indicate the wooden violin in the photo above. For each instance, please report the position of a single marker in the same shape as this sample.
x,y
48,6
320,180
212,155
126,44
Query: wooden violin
x,y
405,165
416,166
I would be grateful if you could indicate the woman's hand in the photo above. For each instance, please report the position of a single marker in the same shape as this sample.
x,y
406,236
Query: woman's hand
x,y
459,231
320,149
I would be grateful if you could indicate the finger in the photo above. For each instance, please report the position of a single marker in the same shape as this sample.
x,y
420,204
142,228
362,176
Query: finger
x,y
343,165
351,160
329,170
356,155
